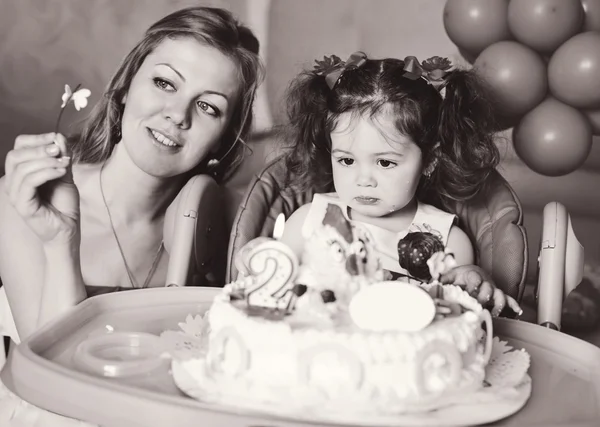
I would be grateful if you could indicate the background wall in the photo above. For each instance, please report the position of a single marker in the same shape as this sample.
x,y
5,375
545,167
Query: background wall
x,y
45,44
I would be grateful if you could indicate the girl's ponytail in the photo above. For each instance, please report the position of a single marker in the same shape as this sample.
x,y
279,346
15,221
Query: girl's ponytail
x,y
467,153
308,156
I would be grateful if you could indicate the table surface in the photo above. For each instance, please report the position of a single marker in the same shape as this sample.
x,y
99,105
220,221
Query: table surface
x,y
565,370
566,377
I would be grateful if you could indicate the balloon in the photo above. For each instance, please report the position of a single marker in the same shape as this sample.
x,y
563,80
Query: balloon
x,y
594,117
592,15
468,56
473,25
516,75
574,71
553,139
544,25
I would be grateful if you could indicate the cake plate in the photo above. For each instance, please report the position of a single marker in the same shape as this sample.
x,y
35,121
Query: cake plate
x,y
60,368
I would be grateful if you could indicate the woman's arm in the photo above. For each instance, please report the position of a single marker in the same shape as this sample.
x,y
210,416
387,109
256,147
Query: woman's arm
x,y
41,281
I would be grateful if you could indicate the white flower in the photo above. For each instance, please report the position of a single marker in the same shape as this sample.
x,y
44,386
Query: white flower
x,y
79,98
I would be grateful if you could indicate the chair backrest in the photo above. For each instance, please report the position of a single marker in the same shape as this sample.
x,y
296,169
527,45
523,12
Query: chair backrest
x,y
195,234
493,221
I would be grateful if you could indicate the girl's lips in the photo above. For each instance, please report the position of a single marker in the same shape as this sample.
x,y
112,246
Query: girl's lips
x,y
366,200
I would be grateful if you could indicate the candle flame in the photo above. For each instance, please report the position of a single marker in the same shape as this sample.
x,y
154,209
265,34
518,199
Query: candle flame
x,y
279,226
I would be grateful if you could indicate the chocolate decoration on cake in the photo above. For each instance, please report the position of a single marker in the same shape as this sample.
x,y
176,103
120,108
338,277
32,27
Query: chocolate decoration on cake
x,y
415,249
328,296
299,289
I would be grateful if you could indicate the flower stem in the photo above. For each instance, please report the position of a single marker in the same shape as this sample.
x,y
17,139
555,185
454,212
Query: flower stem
x,y
63,108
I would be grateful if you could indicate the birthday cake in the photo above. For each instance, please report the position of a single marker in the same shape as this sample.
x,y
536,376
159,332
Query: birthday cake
x,y
329,331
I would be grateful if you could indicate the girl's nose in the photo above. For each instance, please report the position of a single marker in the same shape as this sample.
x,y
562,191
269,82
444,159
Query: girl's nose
x,y
365,178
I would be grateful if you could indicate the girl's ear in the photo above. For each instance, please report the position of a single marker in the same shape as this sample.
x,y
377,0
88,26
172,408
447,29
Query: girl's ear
x,y
124,99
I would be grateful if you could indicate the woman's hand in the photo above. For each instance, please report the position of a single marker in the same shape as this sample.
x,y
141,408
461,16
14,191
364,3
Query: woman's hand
x,y
39,184
480,286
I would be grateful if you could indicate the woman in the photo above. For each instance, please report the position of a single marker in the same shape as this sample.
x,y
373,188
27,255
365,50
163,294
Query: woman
x,y
90,213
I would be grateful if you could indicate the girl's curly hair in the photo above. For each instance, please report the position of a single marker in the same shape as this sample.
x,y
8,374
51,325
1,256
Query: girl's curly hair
x,y
455,133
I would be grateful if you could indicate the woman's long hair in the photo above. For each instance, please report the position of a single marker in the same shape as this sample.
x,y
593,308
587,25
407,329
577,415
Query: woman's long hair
x,y
211,26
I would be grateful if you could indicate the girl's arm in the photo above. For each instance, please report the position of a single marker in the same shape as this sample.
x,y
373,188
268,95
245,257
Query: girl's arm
x,y
40,281
460,245
476,281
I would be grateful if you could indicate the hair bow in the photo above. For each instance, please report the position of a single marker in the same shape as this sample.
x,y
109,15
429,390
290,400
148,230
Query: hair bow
x,y
434,70
332,67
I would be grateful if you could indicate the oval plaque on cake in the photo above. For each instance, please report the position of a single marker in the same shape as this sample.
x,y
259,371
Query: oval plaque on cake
x,y
392,306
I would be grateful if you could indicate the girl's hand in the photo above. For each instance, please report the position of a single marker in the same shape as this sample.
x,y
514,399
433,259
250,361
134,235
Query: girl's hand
x,y
480,286
39,184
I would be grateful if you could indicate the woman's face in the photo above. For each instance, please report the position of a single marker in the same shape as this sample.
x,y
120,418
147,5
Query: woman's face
x,y
178,106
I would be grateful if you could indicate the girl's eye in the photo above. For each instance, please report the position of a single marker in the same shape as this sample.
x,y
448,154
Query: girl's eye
x,y
345,161
207,108
163,84
386,164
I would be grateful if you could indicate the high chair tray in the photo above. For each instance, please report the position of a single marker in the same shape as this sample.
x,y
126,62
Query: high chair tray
x,y
565,371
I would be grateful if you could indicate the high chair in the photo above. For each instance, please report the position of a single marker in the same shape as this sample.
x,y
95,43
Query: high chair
x,y
493,221
561,264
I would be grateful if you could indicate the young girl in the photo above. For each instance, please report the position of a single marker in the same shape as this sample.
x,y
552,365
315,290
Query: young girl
x,y
386,134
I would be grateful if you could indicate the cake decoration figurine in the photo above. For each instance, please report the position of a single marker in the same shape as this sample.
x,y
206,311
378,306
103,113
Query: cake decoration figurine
x,y
338,258
424,256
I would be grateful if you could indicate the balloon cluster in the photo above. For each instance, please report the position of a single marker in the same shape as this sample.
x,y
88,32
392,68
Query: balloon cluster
x,y
541,59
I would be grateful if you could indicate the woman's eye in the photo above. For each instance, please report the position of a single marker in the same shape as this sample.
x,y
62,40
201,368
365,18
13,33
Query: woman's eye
x,y
345,161
163,84
207,108
386,164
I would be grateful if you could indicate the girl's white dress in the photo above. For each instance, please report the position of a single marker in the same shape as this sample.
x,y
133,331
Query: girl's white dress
x,y
427,218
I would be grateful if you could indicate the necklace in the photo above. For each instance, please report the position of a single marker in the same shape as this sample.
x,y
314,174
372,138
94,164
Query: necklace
x,y
132,280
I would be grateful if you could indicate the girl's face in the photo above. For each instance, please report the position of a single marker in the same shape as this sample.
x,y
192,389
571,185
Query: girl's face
x,y
375,170
178,106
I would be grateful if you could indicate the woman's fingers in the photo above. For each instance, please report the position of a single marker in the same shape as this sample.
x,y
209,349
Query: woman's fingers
x,y
27,202
23,155
23,141
23,186
61,142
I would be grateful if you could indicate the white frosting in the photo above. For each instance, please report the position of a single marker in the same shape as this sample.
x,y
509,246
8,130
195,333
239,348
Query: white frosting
x,y
392,306
297,362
